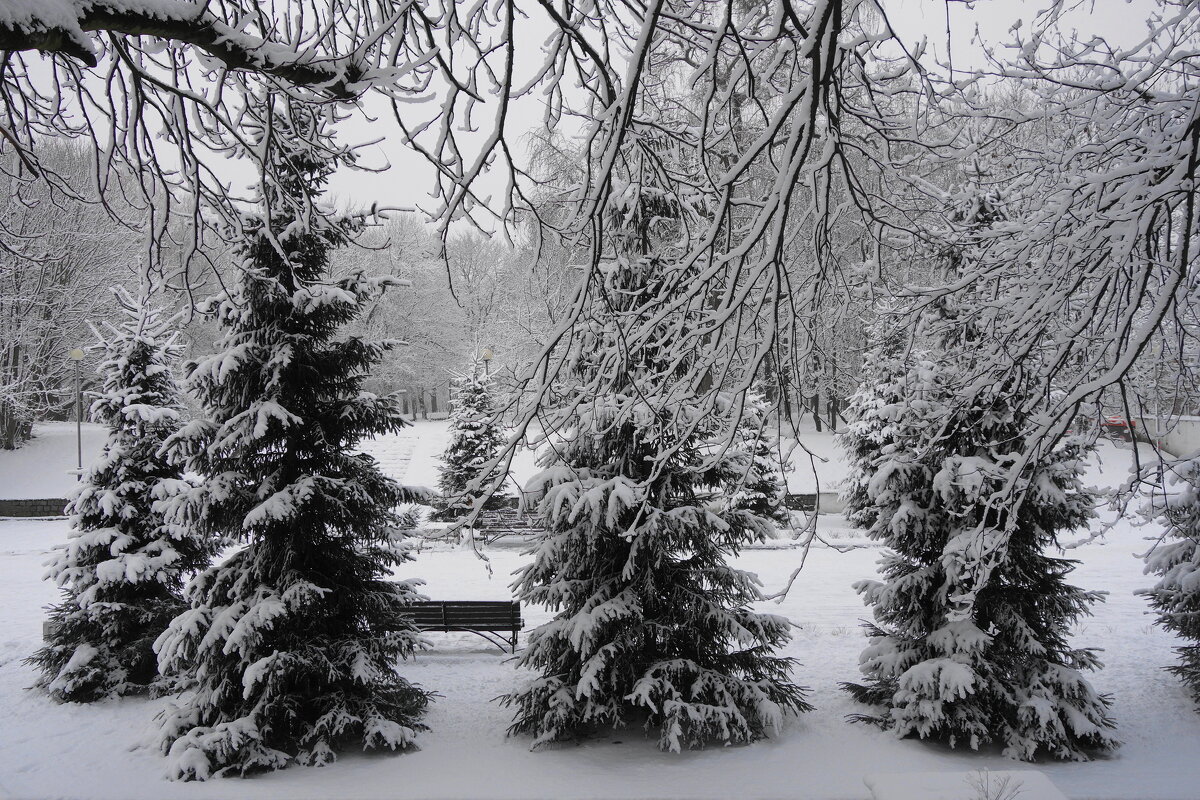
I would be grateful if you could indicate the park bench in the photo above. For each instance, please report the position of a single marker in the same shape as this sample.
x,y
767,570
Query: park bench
x,y
800,502
830,502
485,618
491,525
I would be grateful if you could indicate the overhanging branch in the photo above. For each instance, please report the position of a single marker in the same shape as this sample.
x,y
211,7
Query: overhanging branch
x,y
181,22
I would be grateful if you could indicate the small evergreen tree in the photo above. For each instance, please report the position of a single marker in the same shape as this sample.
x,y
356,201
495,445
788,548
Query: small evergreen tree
x,y
474,441
969,643
123,566
753,477
869,431
1176,560
651,623
289,649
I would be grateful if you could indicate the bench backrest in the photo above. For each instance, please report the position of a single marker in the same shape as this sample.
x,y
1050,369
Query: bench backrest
x,y
466,615
506,519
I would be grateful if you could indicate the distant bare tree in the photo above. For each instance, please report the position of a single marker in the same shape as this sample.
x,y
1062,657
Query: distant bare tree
x,y
59,254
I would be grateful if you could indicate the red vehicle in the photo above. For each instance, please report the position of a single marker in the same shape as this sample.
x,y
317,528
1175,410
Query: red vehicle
x,y
1117,427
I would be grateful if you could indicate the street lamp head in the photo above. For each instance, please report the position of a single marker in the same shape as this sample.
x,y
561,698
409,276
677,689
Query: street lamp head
x,y
487,354
76,355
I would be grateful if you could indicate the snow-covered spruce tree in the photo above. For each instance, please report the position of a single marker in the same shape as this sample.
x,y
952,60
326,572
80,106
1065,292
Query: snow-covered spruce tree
x,y
289,650
651,624
753,480
474,441
123,566
969,643
881,385
1176,560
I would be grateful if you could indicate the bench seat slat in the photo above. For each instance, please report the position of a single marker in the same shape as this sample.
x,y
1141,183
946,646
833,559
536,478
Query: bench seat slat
x,y
437,626
460,610
497,623
507,621
466,618
465,603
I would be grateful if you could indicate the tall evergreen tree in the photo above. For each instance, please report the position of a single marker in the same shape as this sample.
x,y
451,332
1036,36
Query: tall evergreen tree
x,y
969,643
123,567
1176,560
475,439
651,623
290,647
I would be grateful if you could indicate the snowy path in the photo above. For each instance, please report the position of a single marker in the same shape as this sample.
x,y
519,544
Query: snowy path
x,y
413,455
394,453
49,750
44,467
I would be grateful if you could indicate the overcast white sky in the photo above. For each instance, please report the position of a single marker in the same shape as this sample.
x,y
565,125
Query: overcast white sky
x,y
1122,22
409,180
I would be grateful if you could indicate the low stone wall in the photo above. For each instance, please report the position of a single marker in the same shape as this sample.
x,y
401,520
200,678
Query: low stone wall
x,y
32,508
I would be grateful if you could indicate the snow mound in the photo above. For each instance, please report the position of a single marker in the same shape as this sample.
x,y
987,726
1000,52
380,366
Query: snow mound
x,y
982,785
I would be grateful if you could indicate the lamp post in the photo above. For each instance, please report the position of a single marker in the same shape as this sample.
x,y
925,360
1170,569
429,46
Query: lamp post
x,y
486,355
76,355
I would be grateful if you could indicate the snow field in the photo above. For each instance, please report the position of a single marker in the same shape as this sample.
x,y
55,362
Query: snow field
x,y
413,455
49,750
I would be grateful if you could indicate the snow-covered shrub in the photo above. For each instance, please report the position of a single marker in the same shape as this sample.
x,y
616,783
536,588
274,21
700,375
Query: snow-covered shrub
x,y
290,648
1175,558
651,624
475,439
969,644
123,565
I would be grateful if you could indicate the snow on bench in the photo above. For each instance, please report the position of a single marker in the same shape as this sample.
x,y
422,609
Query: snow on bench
x,y
979,785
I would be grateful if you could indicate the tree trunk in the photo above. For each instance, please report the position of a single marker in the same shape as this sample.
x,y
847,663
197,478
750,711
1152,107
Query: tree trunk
x,y
13,430
8,431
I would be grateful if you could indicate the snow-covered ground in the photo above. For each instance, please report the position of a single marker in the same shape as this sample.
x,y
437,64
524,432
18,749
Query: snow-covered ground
x,y
49,750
